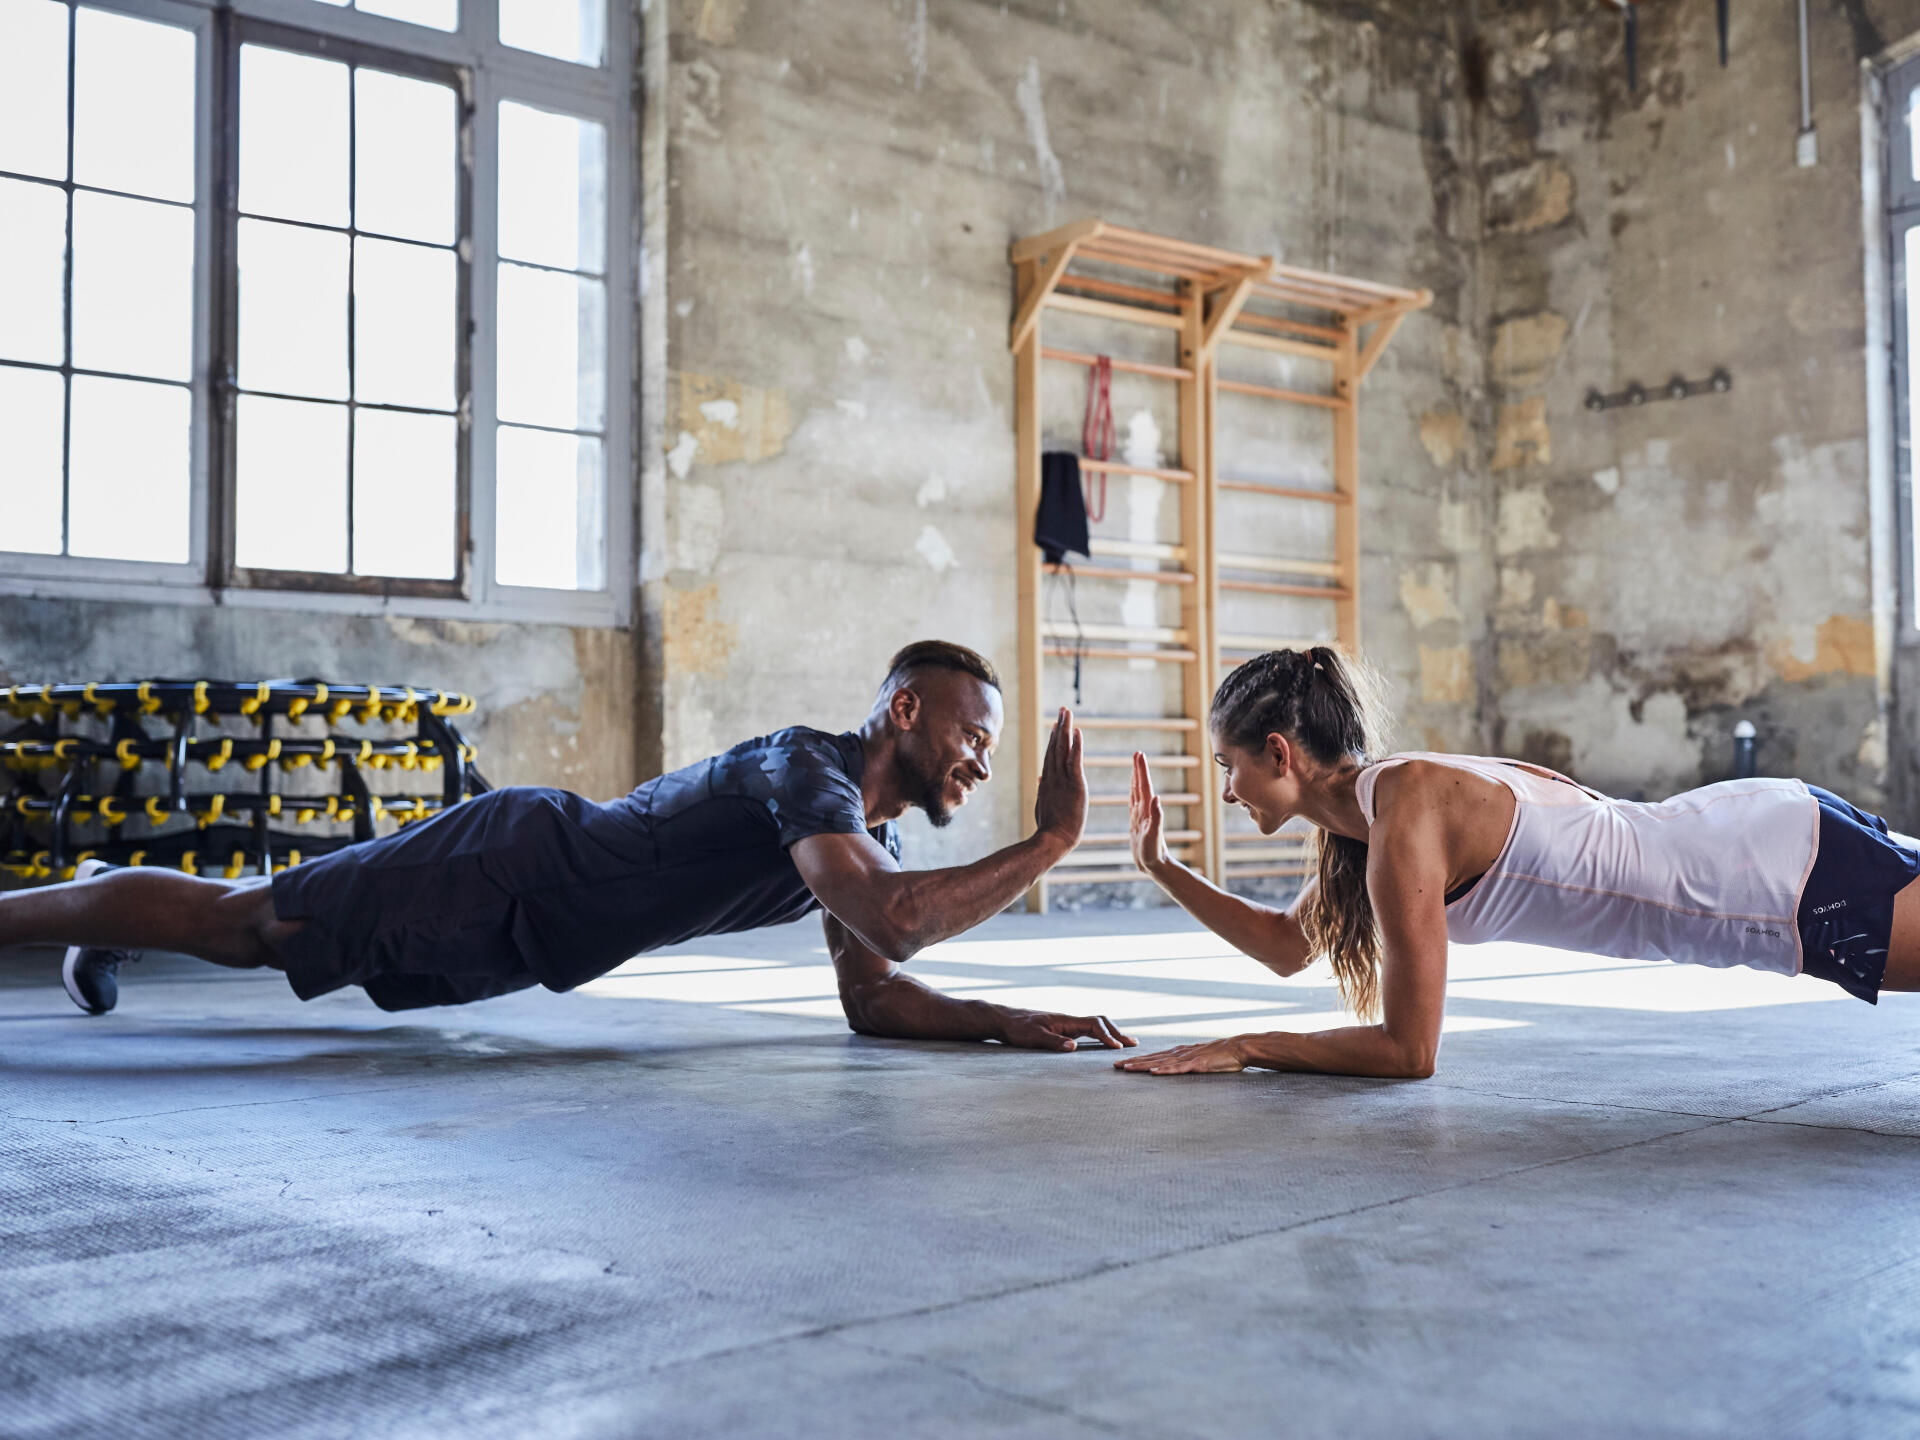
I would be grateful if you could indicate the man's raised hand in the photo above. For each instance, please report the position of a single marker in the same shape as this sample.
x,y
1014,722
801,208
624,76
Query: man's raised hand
x,y
1061,808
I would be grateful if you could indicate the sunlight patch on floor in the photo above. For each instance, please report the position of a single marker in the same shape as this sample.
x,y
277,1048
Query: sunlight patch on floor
x,y
1299,1023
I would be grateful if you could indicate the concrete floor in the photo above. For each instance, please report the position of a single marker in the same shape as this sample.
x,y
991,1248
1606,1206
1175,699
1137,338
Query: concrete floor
x,y
1636,1200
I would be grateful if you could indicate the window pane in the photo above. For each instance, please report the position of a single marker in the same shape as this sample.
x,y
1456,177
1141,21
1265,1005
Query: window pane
x,y
1913,132
403,494
133,105
290,483
293,310
293,136
31,415
553,189
405,162
437,14
549,511
33,262
403,323
33,88
132,286
128,471
552,346
565,29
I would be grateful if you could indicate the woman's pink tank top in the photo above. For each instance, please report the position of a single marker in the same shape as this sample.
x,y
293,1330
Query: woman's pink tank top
x,y
1710,877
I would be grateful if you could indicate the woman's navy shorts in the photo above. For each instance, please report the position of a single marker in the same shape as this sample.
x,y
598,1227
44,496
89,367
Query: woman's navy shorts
x,y
1846,911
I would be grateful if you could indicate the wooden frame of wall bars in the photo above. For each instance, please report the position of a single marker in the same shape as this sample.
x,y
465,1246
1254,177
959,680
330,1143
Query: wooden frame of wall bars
x,y
1202,297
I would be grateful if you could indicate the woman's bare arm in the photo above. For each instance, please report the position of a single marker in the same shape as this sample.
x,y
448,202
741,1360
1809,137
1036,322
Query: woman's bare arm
x,y
1273,937
1407,872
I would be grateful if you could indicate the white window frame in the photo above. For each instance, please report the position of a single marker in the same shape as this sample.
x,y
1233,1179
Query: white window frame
x,y
602,94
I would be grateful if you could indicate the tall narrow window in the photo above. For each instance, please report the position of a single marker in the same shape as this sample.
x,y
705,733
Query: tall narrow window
x,y
550,460
97,243
1903,217
348,345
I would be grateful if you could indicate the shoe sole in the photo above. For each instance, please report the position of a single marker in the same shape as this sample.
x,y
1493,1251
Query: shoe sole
x,y
72,983
86,870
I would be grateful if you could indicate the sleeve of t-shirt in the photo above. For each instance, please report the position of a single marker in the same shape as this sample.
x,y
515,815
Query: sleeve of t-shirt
x,y
809,793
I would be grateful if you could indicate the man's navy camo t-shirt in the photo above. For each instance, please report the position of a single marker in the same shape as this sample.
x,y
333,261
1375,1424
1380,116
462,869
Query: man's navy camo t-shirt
x,y
721,828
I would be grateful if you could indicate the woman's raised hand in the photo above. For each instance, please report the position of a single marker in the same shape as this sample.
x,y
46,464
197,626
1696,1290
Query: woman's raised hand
x,y
1146,831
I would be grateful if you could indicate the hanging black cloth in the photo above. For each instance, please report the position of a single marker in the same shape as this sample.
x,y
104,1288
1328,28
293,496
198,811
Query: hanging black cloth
x,y
1060,529
1061,526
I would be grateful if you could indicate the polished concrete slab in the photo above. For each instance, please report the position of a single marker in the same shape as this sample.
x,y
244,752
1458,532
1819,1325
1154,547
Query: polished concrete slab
x,y
1636,1200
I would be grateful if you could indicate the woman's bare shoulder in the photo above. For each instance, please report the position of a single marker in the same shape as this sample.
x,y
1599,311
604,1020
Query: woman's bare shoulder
x,y
1418,784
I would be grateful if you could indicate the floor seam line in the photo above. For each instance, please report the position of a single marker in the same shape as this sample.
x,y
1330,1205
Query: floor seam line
x,y
960,1372
838,1327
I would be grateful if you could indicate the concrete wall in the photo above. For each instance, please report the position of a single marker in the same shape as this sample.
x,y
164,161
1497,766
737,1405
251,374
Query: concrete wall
x,y
844,179
1663,572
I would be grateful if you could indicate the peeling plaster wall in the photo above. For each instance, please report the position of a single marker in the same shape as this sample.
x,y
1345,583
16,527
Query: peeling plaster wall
x,y
845,178
1663,572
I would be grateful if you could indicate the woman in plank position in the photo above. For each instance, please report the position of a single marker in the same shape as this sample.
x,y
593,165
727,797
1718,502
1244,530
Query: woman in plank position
x,y
1419,849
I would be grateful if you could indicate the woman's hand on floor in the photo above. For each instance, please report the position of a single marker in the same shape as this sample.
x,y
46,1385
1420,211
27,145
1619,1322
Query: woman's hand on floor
x,y
1217,1057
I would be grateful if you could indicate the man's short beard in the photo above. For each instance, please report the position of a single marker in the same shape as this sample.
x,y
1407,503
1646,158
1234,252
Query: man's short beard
x,y
929,791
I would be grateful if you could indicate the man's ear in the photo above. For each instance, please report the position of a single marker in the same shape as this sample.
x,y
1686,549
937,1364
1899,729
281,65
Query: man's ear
x,y
904,708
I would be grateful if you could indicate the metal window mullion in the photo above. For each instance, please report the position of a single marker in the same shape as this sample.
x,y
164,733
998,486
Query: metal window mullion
x,y
66,300
353,260
483,338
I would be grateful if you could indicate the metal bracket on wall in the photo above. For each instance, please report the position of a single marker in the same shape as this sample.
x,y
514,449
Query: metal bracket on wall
x,y
1678,388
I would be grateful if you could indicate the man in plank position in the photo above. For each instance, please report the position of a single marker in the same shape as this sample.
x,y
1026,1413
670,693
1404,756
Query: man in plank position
x,y
525,885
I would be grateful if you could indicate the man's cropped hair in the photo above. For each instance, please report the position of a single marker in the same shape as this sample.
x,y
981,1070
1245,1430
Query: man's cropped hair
x,y
938,655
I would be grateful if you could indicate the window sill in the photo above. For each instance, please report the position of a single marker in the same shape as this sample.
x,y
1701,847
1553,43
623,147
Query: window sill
x,y
599,610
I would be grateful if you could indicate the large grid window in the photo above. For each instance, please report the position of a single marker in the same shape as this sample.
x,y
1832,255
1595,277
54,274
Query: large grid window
x,y
313,296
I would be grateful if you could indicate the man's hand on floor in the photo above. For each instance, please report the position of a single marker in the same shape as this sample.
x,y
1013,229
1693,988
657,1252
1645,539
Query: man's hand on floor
x,y
1034,1030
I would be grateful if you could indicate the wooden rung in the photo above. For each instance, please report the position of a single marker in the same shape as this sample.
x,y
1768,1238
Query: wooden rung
x,y
1274,392
1266,587
1240,838
1145,634
1254,320
1058,877
1115,762
1280,565
1119,837
1260,644
1114,467
1167,797
1252,872
1116,290
1280,345
1128,367
1135,722
1114,572
1284,492
1109,652
1138,549
1107,310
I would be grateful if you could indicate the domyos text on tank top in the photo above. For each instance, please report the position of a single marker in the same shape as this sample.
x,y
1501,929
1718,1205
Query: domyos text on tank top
x,y
1711,877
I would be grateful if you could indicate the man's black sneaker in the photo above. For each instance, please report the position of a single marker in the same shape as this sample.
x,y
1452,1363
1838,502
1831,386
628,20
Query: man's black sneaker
x,y
91,974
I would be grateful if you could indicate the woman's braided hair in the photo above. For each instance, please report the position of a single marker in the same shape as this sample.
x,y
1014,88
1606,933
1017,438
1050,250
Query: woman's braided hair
x,y
1327,705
